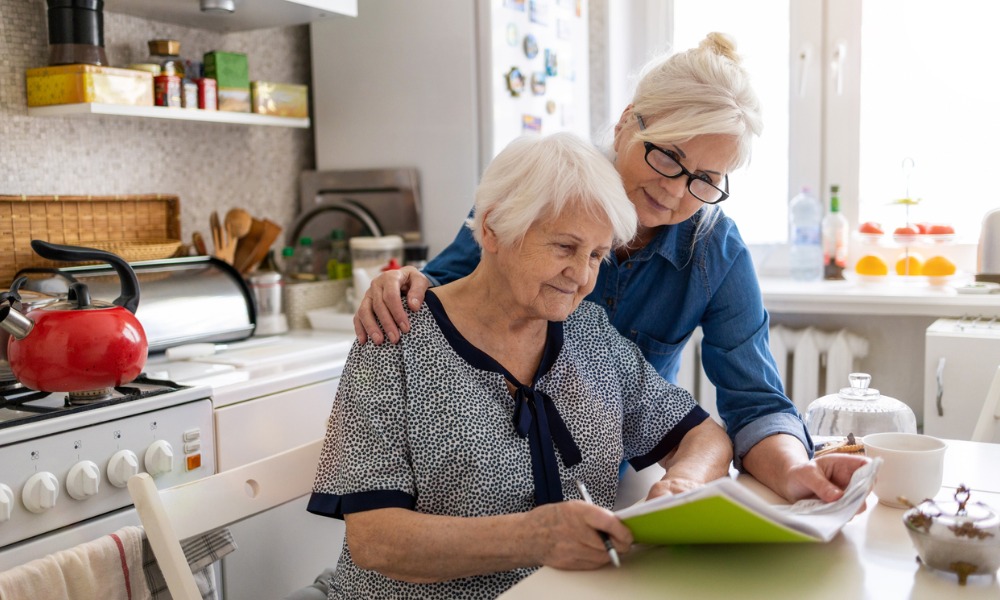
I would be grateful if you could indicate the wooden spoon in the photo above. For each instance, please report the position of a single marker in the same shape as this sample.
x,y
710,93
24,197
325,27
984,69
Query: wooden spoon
x,y
238,222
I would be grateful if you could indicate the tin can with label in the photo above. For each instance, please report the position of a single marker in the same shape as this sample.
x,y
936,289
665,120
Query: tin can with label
x,y
207,95
167,90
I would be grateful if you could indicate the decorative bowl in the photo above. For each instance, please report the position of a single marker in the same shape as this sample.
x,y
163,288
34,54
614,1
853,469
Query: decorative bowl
x,y
959,537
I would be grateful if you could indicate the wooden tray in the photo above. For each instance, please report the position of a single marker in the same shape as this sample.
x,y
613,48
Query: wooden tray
x,y
140,227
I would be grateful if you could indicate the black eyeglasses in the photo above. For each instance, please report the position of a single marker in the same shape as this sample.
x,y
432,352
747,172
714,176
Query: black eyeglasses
x,y
668,164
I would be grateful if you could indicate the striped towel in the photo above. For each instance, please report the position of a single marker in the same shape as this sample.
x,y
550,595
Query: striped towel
x,y
201,552
108,568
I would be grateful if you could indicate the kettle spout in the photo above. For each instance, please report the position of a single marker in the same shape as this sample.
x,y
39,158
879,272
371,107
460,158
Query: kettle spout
x,y
13,322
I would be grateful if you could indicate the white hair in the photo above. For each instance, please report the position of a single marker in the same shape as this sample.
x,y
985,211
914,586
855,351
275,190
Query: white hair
x,y
539,177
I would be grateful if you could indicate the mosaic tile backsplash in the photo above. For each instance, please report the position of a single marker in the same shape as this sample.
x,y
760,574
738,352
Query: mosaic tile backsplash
x,y
211,166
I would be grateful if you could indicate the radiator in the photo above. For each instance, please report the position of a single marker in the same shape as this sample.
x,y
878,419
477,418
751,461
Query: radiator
x,y
811,363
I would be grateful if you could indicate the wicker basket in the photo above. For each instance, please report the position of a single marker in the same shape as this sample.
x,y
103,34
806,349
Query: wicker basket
x,y
144,227
299,298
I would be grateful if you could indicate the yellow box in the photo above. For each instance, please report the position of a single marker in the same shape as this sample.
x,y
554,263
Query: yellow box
x,y
72,84
280,99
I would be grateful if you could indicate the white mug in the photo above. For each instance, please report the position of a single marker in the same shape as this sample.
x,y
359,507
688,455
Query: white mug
x,y
913,466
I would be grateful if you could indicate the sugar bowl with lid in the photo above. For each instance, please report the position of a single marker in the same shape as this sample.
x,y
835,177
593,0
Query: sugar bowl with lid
x,y
960,537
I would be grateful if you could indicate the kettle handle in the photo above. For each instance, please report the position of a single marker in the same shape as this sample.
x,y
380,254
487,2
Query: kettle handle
x,y
129,298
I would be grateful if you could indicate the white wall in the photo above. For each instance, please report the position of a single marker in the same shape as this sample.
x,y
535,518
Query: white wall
x,y
384,84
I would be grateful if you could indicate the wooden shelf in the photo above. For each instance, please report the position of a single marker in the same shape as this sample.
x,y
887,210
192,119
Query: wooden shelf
x,y
161,112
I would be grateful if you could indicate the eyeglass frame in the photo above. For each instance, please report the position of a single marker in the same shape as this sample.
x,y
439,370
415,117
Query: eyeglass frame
x,y
650,147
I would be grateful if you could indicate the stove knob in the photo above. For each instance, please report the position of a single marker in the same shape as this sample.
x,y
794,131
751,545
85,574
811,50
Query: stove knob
x,y
6,502
123,464
40,492
159,458
84,480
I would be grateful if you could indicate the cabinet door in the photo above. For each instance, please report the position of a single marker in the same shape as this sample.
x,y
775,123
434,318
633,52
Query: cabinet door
x,y
248,431
285,548
952,402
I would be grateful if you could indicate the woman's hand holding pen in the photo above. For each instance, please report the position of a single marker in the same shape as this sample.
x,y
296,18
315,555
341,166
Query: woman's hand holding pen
x,y
566,535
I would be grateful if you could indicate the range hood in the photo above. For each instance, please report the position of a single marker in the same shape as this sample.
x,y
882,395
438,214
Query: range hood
x,y
249,14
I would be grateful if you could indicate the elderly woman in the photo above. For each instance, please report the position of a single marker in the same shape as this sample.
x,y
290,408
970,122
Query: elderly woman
x,y
452,457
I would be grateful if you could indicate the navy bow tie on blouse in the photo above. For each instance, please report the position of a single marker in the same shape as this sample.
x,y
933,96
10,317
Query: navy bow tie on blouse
x,y
536,418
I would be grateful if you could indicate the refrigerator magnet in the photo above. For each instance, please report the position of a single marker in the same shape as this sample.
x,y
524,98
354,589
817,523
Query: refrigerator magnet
x,y
515,81
517,5
538,83
551,62
531,123
512,34
550,107
530,46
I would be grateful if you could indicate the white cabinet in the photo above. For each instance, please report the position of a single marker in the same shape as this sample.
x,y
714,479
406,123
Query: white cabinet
x,y
249,14
284,548
961,359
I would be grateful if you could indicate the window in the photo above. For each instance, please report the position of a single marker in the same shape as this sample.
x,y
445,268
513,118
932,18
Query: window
x,y
886,99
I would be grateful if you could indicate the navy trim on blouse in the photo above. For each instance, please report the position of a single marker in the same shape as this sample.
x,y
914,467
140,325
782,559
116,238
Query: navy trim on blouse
x,y
336,506
671,440
535,415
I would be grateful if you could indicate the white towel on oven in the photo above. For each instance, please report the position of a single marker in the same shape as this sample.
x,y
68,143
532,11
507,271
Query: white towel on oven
x,y
108,568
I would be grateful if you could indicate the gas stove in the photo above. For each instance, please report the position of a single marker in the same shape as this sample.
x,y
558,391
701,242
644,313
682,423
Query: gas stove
x,y
66,461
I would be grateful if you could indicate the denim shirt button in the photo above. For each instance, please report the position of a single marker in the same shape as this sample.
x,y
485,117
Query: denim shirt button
x,y
628,265
610,302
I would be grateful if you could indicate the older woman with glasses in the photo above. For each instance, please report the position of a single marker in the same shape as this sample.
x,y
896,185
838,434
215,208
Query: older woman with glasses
x,y
454,457
691,122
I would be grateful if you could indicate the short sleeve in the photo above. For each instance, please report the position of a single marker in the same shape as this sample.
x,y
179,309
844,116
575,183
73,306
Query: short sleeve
x,y
365,461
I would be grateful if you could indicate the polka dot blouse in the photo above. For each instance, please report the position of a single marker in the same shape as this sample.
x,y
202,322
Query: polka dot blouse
x,y
430,425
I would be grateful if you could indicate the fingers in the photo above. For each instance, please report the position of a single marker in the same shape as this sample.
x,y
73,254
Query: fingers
x,y
381,314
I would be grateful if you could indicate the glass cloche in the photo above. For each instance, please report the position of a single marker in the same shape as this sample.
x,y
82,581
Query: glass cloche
x,y
860,410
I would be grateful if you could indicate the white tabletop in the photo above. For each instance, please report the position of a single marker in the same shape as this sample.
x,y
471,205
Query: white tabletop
x,y
873,558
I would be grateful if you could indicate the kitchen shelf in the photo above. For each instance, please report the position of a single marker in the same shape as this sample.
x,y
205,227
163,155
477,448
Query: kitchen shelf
x,y
162,112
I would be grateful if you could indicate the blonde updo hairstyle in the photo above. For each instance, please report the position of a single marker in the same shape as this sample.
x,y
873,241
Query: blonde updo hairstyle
x,y
700,91
541,177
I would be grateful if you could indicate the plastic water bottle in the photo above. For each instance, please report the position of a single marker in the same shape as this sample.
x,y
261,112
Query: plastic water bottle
x,y
805,217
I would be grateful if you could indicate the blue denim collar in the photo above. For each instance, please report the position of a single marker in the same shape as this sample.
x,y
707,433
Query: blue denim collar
x,y
673,242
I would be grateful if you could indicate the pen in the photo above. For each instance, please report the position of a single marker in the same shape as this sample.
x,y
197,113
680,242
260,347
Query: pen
x,y
607,541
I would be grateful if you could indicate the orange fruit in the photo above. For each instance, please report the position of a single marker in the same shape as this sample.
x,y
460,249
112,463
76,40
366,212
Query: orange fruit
x,y
938,266
871,265
909,265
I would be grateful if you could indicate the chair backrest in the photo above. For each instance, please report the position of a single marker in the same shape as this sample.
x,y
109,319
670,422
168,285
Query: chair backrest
x,y
173,514
989,417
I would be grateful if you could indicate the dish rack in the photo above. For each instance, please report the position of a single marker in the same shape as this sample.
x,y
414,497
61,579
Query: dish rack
x,y
135,227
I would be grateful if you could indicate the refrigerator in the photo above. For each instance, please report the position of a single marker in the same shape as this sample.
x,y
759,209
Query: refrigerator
x,y
443,86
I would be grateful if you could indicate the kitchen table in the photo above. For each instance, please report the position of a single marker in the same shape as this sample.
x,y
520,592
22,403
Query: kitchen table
x,y
872,558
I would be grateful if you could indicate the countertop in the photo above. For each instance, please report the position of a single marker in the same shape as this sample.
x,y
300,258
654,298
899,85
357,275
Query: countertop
x,y
892,297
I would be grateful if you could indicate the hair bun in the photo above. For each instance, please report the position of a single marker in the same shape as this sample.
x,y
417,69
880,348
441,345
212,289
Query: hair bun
x,y
720,44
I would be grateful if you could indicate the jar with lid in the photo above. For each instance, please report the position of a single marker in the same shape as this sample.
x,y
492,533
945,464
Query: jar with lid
x,y
370,254
860,410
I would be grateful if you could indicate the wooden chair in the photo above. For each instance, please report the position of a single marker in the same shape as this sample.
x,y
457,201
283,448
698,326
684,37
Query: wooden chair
x,y
989,418
173,514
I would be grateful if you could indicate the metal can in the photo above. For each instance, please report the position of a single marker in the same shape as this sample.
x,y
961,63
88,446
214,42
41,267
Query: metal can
x,y
167,90
207,98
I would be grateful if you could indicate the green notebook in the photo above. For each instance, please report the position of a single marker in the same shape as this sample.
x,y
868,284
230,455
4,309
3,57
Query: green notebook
x,y
726,512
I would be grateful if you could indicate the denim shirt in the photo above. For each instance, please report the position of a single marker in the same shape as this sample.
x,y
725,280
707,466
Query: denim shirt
x,y
659,295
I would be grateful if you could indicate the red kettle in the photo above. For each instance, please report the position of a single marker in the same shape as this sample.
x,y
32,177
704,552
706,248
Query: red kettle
x,y
79,344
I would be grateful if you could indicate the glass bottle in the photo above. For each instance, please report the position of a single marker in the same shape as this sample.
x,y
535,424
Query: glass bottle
x,y
338,266
305,260
834,238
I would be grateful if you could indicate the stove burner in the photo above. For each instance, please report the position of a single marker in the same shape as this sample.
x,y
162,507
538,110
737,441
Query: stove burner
x,y
87,397
24,405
